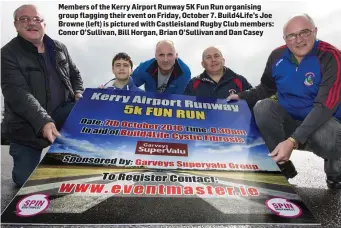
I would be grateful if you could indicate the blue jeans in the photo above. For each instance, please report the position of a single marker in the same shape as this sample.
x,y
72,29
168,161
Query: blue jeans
x,y
25,160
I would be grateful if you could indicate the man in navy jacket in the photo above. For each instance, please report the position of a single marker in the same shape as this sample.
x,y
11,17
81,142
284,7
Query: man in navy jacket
x,y
217,81
166,73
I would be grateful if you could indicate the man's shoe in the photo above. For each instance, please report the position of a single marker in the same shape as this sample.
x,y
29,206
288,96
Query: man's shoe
x,y
288,169
333,184
332,168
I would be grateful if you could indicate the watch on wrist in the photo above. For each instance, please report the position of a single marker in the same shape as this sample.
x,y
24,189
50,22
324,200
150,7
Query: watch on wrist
x,y
294,141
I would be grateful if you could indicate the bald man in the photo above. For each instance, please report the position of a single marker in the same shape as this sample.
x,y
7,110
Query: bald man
x,y
217,81
165,73
306,75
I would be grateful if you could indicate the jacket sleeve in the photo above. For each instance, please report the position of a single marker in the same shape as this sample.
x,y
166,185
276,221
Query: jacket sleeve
x,y
265,89
18,95
189,91
186,77
75,77
137,76
245,84
326,102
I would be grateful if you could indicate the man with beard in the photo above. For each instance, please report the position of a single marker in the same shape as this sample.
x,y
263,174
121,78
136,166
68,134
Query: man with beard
x,y
40,84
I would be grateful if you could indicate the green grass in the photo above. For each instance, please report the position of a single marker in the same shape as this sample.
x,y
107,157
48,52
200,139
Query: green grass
x,y
47,172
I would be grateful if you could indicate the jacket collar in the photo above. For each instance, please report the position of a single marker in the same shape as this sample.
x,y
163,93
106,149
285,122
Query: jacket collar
x,y
27,45
127,86
288,54
153,69
228,73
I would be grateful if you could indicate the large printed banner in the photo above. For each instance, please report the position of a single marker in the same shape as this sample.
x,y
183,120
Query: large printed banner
x,y
141,158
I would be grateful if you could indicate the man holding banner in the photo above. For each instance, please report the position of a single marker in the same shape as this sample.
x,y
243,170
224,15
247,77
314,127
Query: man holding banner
x,y
306,74
40,84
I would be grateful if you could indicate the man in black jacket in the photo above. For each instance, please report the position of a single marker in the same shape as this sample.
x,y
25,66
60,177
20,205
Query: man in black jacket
x,y
217,81
40,84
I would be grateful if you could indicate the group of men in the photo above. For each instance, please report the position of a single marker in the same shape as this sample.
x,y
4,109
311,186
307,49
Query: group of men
x,y
296,105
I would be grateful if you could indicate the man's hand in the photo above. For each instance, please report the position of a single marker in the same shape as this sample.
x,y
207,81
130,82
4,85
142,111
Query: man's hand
x,y
78,96
282,152
50,132
233,97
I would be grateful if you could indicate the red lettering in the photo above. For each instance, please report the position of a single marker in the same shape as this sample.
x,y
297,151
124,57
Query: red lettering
x,y
116,189
138,189
209,189
200,190
242,191
66,188
219,190
161,189
27,202
96,188
230,191
253,191
32,202
127,189
40,203
151,189
188,190
82,187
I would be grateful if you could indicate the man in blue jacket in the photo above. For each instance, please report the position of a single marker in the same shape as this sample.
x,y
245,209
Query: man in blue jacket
x,y
166,73
121,67
306,75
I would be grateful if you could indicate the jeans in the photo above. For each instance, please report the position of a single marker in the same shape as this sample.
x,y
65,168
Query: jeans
x,y
276,125
26,158
60,114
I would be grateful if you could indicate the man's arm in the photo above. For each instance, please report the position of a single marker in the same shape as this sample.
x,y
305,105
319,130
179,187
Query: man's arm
x,y
186,77
245,84
326,102
18,95
263,90
189,89
137,77
75,76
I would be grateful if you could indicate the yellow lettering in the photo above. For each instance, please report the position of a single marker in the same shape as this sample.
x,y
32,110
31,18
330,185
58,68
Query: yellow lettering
x,y
189,114
165,112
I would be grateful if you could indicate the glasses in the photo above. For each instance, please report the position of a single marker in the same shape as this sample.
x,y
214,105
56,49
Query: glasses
x,y
26,19
302,33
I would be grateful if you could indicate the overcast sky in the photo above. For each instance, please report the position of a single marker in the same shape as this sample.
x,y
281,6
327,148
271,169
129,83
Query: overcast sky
x,y
246,55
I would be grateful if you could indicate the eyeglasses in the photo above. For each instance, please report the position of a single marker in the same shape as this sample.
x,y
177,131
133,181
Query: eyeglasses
x,y
25,19
302,33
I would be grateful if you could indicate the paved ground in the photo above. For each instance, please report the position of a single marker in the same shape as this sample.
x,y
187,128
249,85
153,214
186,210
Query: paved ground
x,y
309,184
